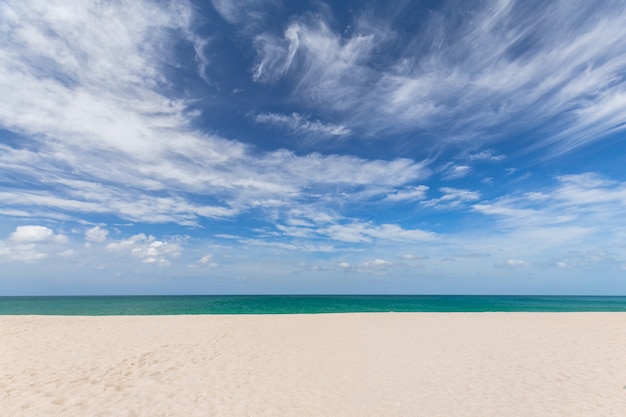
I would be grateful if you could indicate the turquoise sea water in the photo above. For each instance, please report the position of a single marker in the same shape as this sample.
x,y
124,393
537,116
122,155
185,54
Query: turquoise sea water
x,y
296,304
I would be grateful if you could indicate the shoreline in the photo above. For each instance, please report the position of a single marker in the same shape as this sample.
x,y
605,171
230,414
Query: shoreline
x,y
323,364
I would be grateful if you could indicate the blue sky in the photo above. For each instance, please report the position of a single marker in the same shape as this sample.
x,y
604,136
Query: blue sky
x,y
155,147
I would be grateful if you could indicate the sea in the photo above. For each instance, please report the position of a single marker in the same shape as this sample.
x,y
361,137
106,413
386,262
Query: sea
x,y
300,304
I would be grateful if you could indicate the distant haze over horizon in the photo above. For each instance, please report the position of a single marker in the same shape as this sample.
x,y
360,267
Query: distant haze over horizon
x,y
191,147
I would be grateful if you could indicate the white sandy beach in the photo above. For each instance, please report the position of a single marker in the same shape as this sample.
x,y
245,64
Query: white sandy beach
x,y
415,364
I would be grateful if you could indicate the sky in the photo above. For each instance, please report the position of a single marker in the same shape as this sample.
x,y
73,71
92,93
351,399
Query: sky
x,y
273,147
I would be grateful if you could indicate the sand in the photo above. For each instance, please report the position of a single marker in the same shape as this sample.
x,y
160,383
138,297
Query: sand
x,y
389,364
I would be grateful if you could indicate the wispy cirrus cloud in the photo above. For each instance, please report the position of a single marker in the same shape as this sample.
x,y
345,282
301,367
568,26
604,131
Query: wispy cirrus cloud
x,y
410,193
326,68
486,156
103,144
588,200
452,197
360,232
454,172
300,125
243,11
508,64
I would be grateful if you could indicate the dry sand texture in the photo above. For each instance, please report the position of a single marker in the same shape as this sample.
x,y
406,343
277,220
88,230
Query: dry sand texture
x,y
417,364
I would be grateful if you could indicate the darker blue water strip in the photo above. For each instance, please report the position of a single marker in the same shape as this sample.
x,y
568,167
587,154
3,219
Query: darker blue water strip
x,y
266,304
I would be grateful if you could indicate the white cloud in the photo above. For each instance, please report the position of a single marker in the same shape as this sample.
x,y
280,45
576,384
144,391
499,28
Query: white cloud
x,y
310,236
452,197
25,253
208,261
96,234
294,246
300,125
409,193
33,234
147,248
582,259
376,263
118,146
585,202
512,263
31,243
372,266
457,171
357,232
506,64
67,253
248,12
486,156
227,236
323,56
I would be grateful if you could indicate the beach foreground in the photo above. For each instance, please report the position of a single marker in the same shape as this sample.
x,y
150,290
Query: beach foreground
x,y
378,364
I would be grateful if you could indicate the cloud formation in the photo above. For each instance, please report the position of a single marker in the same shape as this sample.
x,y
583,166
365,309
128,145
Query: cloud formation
x,y
300,125
508,63
96,234
31,243
147,248
119,145
310,138
36,234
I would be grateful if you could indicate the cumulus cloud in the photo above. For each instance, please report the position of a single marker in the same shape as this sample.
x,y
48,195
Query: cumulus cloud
x,y
22,253
147,248
34,234
31,234
32,243
96,234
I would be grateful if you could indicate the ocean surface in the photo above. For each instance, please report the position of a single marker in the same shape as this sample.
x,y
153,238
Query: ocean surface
x,y
299,304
